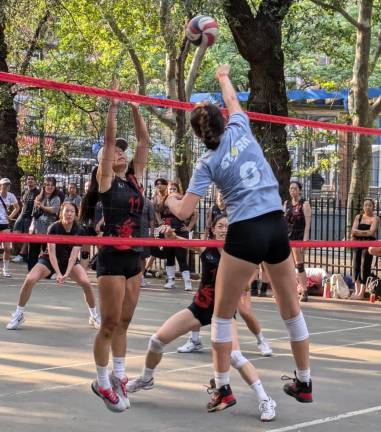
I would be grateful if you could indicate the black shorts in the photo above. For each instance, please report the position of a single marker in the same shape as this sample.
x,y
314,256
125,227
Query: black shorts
x,y
204,315
62,265
113,262
146,253
4,227
22,225
296,235
263,238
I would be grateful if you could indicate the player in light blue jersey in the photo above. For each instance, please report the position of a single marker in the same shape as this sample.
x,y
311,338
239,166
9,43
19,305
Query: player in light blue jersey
x,y
257,233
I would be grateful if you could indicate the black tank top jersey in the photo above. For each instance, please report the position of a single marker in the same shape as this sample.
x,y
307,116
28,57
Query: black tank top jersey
x,y
171,220
204,296
295,219
122,209
364,227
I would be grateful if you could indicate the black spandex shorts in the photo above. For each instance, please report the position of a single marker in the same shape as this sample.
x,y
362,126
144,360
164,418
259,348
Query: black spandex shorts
x,y
4,227
204,315
263,238
46,262
113,262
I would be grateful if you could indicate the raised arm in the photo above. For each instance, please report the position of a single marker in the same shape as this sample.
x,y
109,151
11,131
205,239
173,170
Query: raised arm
x,y
227,89
142,148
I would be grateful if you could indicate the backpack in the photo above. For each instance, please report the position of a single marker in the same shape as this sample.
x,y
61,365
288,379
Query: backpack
x,y
339,288
373,285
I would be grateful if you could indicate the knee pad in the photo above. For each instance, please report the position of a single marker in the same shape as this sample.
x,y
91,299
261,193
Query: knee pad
x,y
237,360
85,255
156,345
297,328
221,330
300,267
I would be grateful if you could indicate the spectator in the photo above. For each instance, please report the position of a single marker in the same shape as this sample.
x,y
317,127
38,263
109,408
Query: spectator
x,y
73,196
159,197
298,217
25,218
217,209
365,227
7,200
45,212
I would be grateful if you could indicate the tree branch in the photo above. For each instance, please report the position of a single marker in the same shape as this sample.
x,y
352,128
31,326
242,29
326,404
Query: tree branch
x,y
33,45
194,68
375,108
376,54
337,8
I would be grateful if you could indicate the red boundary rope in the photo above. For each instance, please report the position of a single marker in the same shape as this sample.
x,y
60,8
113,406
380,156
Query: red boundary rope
x,y
120,241
168,103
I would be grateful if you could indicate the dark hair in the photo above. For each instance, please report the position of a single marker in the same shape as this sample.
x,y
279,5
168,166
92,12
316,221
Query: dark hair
x,y
208,124
73,184
29,175
90,200
300,187
42,194
121,143
163,181
370,199
215,221
66,203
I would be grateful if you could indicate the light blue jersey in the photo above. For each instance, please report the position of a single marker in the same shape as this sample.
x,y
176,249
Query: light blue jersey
x,y
240,171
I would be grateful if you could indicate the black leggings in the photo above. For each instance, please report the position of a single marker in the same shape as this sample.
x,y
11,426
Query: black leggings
x,y
181,256
362,263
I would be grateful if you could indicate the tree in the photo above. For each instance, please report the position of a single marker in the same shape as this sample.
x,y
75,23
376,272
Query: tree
x,y
259,40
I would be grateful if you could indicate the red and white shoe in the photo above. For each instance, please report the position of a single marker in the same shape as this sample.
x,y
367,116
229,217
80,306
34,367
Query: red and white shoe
x,y
111,399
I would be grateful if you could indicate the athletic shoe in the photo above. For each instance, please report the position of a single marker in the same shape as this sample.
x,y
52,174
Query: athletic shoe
x,y
303,297
16,320
148,274
301,391
267,410
120,387
6,273
143,282
112,401
95,322
170,284
188,285
139,384
17,259
220,399
190,346
264,348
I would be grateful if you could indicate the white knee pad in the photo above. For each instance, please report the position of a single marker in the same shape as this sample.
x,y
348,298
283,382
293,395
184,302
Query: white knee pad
x,y
297,328
221,330
156,345
237,360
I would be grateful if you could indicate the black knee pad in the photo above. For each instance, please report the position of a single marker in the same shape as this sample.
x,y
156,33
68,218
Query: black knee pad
x,y
300,267
85,255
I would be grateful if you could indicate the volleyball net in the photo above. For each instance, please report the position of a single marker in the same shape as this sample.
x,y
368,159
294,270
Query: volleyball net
x,y
24,83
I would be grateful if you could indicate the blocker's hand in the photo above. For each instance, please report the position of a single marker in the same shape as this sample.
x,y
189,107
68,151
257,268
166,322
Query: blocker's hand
x,y
222,70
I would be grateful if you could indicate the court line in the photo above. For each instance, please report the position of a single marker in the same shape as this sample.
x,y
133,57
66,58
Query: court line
x,y
327,419
208,347
64,386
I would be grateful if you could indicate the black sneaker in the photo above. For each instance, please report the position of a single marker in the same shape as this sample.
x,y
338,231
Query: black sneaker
x,y
301,391
254,288
221,399
303,297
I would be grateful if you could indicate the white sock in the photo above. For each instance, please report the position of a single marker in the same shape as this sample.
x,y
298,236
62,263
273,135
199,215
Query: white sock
x,y
6,265
19,309
303,375
102,377
119,367
259,337
93,312
221,378
259,391
147,374
195,336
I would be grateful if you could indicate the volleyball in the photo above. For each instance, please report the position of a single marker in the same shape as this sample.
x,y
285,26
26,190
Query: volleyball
x,y
202,28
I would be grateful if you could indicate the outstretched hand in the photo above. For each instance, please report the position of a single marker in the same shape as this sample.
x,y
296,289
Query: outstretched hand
x,y
222,70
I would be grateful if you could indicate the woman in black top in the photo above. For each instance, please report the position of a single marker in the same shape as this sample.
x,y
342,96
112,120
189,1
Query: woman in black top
x,y
298,217
118,268
61,259
365,227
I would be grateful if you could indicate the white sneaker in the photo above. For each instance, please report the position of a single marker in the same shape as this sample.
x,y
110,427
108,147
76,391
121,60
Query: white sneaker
x,y
264,348
188,285
190,346
139,384
170,284
267,410
120,387
16,320
17,259
6,273
95,322
143,282
111,399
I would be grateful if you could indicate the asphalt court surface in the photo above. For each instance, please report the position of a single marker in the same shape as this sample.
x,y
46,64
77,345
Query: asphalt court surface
x,y
46,367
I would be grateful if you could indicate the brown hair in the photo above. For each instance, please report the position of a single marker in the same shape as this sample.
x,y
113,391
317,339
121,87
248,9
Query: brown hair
x,y
176,185
208,124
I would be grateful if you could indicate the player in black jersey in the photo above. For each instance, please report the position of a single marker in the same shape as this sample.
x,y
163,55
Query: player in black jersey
x,y
118,268
61,259
199,313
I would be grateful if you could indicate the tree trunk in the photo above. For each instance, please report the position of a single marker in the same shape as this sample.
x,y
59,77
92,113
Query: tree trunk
x,y
259,40
359,110
8,123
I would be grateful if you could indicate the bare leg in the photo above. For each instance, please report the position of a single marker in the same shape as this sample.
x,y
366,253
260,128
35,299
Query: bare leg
x,y
38,272
79,275
244,309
